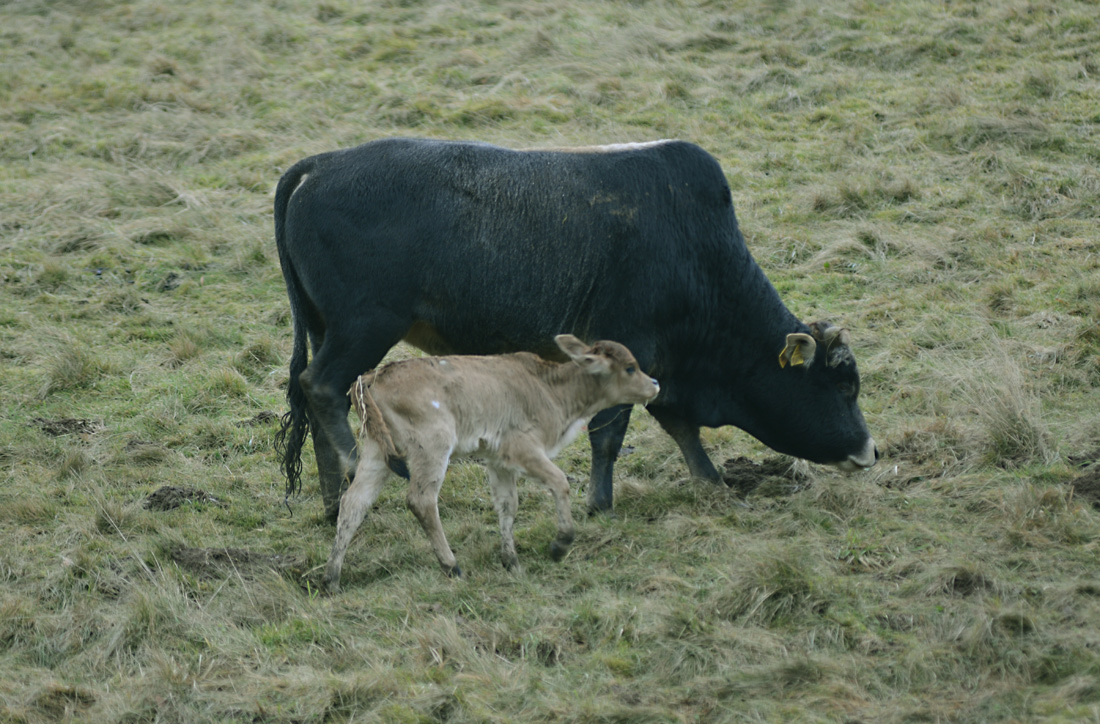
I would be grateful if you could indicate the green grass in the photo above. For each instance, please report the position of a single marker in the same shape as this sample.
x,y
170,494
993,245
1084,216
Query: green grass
x,y
923,173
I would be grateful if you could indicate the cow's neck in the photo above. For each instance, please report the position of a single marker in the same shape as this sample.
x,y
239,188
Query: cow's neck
x,y
752,326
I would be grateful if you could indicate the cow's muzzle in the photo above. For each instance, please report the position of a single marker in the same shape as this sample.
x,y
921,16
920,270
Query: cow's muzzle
x,y
864,459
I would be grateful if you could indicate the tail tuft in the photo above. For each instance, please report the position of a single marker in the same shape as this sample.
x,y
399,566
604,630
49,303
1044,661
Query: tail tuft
x,y
288,445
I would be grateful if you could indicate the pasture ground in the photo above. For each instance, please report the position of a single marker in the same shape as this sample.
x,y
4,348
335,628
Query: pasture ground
x,y
924,173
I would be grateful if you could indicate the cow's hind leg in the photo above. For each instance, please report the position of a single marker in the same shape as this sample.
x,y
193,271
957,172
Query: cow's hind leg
x,y
502,485
370,473
331,472
606,433
343,355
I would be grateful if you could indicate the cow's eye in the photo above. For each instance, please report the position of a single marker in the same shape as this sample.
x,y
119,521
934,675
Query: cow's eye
x,y
631,370
846,388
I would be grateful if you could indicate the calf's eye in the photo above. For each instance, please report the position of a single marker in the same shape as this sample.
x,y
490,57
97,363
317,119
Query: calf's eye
x,y
630,370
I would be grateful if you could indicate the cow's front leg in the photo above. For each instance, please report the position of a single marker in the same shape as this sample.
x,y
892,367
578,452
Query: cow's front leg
x,y
606,432
686,436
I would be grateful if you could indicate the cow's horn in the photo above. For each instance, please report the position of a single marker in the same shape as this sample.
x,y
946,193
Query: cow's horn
x,y
837,334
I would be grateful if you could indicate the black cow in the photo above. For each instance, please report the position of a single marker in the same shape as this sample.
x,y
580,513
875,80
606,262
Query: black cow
x,y
461,248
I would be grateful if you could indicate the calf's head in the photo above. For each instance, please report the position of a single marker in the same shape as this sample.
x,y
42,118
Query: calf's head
x,y
613,365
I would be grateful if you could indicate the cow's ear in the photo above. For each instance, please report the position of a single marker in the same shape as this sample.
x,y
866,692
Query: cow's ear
x,y
799,350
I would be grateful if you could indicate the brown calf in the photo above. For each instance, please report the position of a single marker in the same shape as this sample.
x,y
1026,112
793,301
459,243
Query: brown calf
x,y
514,411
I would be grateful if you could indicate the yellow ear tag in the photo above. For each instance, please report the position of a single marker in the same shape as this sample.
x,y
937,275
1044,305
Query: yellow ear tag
x,y
793,355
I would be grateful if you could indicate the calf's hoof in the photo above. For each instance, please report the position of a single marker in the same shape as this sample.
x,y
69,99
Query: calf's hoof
x,y
560,548
453,571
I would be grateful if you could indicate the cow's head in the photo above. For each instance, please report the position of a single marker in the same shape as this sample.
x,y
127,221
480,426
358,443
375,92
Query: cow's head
x,y
622,381
820,370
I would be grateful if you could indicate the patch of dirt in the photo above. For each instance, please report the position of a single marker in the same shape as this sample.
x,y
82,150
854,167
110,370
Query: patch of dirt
x,y
773,477
965,582
170,497
261,418
213,563
169,282
1087,486
66,426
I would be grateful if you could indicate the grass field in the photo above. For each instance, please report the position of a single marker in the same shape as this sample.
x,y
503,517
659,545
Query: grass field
x,y
924,173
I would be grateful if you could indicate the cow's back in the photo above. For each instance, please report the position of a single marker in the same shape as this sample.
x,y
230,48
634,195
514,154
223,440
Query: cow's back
x,y
525,243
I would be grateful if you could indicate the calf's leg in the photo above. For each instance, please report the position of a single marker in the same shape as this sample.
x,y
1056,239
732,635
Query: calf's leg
x,y
502,484
425,480
370,473
535,463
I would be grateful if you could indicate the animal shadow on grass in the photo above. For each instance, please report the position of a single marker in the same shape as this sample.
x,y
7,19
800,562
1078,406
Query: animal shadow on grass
x,y
212,563
774,477
1087,486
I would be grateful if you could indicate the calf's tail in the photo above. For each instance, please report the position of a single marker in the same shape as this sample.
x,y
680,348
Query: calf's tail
x,y
375,425
295,423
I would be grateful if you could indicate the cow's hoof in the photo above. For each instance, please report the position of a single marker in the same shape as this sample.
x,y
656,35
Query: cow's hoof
x,y
605,512
453,572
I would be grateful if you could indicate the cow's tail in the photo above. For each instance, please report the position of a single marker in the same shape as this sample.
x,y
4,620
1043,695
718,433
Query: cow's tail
x,y
295,423
374,425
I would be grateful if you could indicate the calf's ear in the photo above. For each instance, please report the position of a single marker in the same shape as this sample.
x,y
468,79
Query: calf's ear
x,y
799,350
571,345
580,353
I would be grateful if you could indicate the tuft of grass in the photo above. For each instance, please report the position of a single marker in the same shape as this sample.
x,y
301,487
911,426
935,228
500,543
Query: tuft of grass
x,y
258,359
776,588
183,347
71,365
